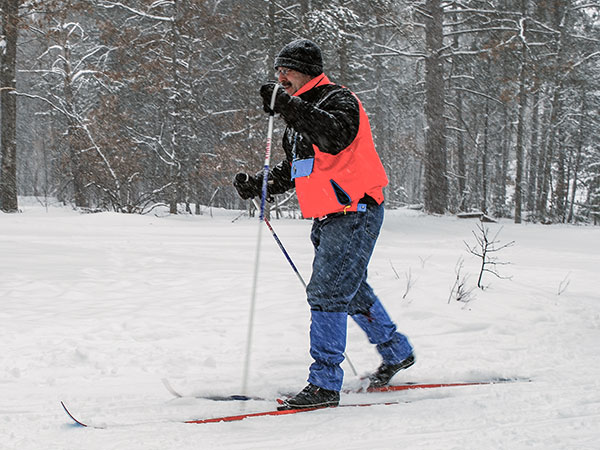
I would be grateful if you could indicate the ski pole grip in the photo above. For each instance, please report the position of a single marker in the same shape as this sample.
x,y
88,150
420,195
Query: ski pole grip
x,y
273,97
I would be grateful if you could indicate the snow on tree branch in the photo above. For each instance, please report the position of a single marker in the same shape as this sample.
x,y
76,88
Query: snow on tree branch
x,y
396,52
109,5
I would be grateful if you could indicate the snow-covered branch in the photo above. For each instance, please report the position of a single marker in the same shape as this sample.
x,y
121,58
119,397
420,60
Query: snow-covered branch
x,y
396,52
145,15
48,102
586,6
481,94
480,30
90,54
155,144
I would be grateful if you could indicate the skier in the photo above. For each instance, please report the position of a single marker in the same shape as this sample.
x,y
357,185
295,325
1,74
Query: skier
x,y
332,162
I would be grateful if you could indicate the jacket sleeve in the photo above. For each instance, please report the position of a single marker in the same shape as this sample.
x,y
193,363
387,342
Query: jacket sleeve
x,y
331,125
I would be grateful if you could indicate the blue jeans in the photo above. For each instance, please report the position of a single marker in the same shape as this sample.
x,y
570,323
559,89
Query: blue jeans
x,y
338,287
343,246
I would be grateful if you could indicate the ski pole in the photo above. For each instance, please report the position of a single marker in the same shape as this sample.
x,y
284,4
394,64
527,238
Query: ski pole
x,y
281,247
296,271
263,197
258,241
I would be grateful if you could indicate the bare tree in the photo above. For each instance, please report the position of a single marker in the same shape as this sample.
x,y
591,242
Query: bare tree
x,y
521,105
436,182
460,290
484,249
8,103
69,75
155,102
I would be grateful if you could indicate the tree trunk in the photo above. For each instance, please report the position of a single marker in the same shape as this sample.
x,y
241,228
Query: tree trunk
x,y
548,156
578,154
520,127
505,157
75,141
304,10
533,150
561,192
175,172
559,12
272,33
460,150
8,102
436,183
484,159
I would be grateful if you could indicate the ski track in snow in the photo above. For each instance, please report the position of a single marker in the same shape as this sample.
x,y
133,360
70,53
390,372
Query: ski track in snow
x,y
98,308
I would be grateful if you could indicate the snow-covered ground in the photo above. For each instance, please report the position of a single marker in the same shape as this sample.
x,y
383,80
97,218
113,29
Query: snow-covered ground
x,y
96,309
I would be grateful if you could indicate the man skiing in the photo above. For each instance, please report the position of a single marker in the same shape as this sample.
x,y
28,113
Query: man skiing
x,y
332,162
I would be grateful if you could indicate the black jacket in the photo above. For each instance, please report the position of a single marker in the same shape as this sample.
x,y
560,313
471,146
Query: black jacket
x,y
326,116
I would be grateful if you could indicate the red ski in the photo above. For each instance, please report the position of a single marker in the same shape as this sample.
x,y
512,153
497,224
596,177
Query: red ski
x,y
275,412
409,386
238,417
388,388
283,412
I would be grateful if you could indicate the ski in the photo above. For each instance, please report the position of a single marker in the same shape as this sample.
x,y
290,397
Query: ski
x,y
388,388
77,421
410,386
276,412
216,398
283,412
239,417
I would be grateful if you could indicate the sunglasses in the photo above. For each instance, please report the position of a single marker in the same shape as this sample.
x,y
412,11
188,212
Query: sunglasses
x,y
282,71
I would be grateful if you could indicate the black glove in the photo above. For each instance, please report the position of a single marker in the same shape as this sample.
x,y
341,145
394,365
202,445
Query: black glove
x,y
247,186
250,186
282,98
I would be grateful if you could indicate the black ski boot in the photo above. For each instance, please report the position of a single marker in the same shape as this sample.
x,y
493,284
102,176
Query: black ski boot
x,y
384,372
312,397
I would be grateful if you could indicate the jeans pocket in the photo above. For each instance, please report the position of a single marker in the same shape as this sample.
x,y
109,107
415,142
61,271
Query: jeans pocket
x,y
373,221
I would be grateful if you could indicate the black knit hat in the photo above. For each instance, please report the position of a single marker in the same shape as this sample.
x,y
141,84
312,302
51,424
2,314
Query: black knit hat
x,y
301,55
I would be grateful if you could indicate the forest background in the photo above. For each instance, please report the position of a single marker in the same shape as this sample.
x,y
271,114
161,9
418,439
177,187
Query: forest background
x,y
475,105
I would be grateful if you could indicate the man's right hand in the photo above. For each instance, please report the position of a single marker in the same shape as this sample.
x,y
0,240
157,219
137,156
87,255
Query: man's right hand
x,y
282,98
247,186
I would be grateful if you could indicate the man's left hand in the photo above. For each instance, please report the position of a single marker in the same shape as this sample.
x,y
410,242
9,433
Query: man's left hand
x,y
281,98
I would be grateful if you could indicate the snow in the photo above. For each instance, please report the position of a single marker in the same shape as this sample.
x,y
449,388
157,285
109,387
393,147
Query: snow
x,y
98,308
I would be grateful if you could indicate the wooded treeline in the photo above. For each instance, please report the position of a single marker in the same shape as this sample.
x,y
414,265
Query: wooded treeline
x,y
475,105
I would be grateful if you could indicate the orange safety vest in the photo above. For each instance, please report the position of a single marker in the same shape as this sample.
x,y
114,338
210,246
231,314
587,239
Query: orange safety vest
x,y
338,182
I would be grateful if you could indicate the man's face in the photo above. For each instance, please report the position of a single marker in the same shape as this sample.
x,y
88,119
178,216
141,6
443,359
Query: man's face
x,y
291,80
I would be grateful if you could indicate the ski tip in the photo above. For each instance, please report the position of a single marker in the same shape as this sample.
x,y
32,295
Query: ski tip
x,y
170,388
77,422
